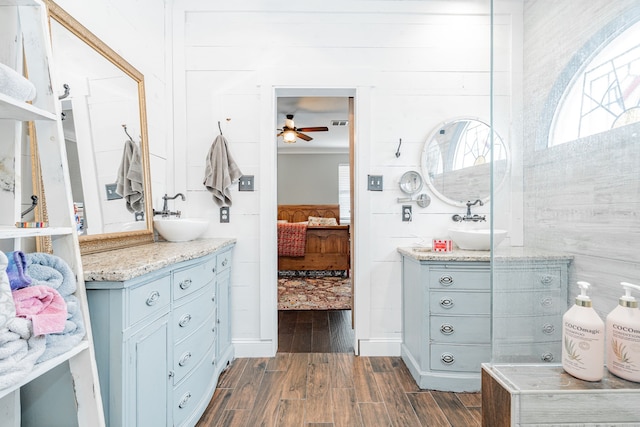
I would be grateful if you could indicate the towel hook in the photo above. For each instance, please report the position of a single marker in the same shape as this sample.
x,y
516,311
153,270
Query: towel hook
x,y
398,150
66,91
219,128
125,131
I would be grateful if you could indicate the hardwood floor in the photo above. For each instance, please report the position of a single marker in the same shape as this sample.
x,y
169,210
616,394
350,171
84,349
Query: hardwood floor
x,y
318,381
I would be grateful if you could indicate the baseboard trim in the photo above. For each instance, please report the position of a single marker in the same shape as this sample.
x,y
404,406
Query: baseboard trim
x,y
380,347
254,348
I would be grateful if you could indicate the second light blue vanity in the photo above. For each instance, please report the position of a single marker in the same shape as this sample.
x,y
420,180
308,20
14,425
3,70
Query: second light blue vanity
x,y
452,322
160,315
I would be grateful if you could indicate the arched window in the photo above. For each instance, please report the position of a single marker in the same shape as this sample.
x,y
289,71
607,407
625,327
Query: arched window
x,y
603,94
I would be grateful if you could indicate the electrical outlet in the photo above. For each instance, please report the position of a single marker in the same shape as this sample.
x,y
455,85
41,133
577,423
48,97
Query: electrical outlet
x,y
406,213
246,183
374,182
224,214
111,192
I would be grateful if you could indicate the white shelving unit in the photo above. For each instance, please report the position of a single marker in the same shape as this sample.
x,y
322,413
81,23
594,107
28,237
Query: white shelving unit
x,y
24,36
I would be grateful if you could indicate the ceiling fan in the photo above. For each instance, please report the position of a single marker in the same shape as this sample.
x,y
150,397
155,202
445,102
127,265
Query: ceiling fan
x,y
289,132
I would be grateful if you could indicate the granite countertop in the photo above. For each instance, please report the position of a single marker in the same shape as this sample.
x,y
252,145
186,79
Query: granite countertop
x,y
127,263
507,253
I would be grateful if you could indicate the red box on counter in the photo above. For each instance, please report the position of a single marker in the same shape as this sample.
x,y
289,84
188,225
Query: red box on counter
x,y
442,245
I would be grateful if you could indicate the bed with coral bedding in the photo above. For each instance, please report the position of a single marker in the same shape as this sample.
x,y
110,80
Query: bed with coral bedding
x,y
322,247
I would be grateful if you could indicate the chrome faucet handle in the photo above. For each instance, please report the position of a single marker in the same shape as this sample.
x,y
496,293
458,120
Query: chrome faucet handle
x,y
457,218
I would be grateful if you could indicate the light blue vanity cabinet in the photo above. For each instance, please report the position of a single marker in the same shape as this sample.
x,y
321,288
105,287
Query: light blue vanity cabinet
x,y
446,322
455,317
162,337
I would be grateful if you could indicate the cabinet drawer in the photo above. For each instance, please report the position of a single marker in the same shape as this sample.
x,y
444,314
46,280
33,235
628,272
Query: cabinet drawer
x,y
470,278
188,395
454,329
451,302
189,316
462,358
529,278
190,279
547,302
528,328
531,352
223,261
149,298
188,352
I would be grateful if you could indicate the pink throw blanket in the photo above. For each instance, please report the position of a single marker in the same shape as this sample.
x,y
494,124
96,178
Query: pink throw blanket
x,y
292,238
44,306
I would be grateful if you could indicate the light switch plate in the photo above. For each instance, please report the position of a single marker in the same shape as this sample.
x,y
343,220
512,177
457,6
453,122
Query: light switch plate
x,y
224,214
111,192
246,183
374,182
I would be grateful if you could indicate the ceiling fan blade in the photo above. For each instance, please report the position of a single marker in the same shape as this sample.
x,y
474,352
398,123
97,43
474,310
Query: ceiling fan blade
x,y
303,136
280,134
313,129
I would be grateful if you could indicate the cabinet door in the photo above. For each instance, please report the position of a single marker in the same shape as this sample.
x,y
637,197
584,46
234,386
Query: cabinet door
x,y
149,374
223,281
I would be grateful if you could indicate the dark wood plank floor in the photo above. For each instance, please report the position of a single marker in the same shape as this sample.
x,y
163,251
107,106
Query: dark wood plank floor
x,y
314,382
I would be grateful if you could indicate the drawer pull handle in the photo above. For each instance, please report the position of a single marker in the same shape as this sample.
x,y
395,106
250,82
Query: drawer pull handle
x,y
153,298
171,374
446,328
447,358
185,284
184,400
213,270
446,280
184,320
546,302
213,329
185,358
213,298
546,280
224,263
548,328
547,357
446,302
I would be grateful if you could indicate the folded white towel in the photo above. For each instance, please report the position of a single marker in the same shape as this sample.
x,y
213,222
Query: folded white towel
x,y
221,171
15,85
129,179
19,351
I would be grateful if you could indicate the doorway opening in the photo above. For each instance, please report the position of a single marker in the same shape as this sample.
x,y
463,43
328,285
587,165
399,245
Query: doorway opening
x,y
315,222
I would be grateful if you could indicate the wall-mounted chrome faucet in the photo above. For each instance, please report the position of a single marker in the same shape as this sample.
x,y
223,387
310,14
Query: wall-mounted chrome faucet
x,y
165,212
468,216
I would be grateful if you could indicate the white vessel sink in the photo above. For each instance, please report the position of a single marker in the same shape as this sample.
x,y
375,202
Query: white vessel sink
x,y
476,239
180,229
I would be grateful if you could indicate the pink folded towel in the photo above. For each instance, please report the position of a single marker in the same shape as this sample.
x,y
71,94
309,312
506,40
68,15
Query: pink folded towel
x,y
44,306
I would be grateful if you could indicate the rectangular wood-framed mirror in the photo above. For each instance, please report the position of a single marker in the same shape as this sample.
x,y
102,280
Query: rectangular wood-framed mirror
x,y
105,127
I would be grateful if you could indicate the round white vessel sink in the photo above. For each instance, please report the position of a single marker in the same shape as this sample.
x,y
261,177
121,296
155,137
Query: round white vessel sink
x,y
180,229
476,239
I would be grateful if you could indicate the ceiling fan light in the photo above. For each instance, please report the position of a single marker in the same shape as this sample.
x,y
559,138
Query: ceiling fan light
x,y
289,136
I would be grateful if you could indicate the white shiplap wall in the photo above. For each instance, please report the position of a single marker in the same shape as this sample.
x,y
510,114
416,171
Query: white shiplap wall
x,y
410,65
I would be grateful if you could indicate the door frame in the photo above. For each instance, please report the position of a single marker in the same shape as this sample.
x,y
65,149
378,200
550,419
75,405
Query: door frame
x,y
269,206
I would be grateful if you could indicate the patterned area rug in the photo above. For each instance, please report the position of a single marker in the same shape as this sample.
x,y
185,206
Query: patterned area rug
x,y
314,293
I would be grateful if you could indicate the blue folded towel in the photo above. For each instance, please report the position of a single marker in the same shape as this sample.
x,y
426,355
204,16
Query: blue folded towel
x,y
16,270
51,270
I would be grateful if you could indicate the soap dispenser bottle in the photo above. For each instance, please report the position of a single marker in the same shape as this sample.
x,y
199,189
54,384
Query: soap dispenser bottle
x,y
583,339
623,336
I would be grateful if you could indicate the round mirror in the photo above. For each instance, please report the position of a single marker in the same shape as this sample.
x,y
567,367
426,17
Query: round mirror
x,y
457,160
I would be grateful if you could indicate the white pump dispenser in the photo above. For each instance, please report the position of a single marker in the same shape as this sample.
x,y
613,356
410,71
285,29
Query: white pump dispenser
x,y
623,336
583,339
